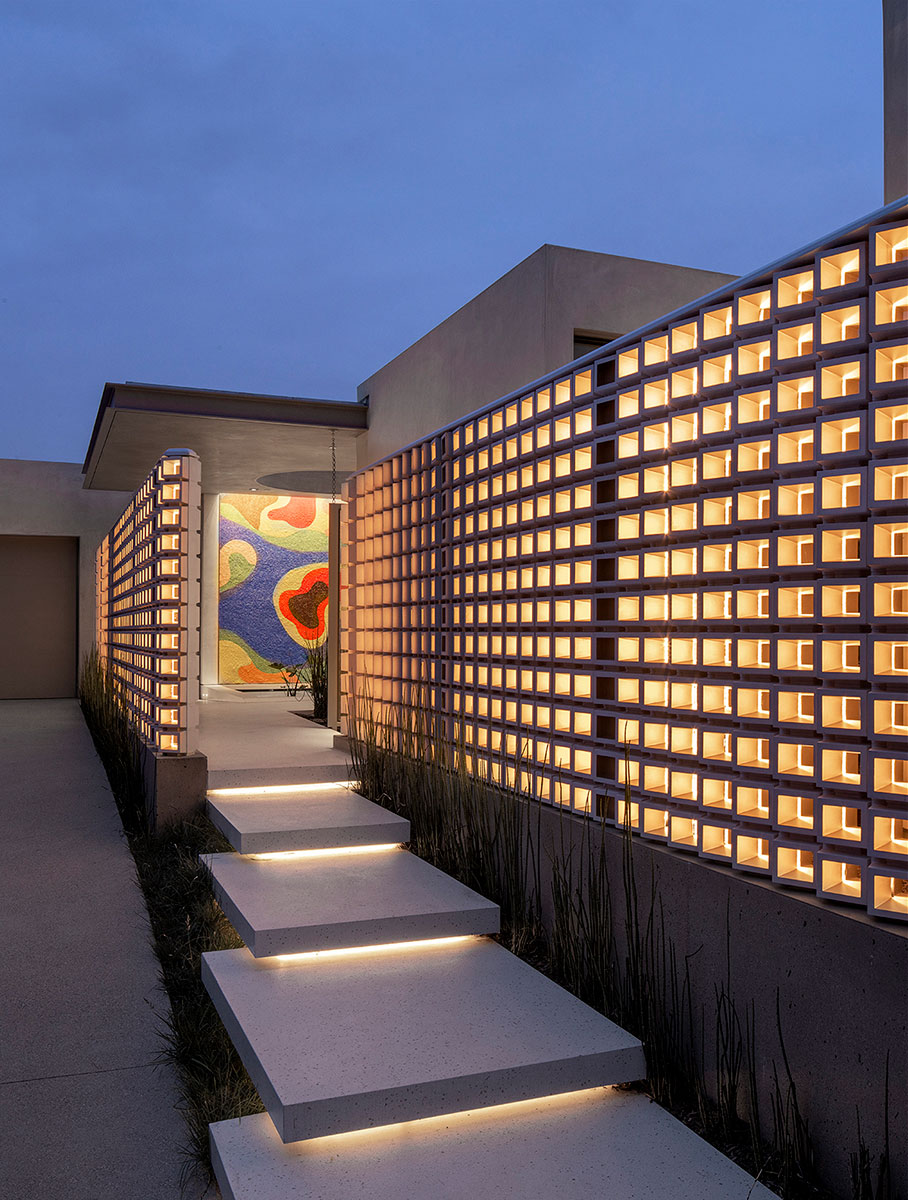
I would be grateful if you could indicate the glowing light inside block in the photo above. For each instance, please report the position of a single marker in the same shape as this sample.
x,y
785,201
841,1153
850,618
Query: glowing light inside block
x,y
756,512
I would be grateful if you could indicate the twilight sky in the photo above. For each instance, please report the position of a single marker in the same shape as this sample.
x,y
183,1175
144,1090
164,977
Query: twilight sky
x,y
282,197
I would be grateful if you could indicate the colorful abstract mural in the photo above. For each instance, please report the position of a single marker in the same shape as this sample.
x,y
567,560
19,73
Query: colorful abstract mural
x,y
273,577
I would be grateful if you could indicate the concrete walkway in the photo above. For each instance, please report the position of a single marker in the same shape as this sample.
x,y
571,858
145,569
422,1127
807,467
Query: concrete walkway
x,y
84,1113
260,732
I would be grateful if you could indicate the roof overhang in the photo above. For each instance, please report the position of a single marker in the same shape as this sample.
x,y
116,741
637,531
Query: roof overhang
x,y
240,437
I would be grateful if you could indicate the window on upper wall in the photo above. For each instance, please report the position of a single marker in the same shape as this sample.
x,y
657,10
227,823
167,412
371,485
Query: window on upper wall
x,y
586,340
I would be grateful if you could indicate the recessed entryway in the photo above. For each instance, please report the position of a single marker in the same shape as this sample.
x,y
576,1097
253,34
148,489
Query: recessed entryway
x,y
39,591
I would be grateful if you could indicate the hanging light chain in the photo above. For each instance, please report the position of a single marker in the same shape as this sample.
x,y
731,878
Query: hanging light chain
x,y
333,468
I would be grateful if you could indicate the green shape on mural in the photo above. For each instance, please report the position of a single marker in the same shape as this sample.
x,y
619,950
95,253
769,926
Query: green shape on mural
x,y
237,561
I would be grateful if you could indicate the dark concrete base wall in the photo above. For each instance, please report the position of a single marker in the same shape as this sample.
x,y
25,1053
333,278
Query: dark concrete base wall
x,y
175,786
840,976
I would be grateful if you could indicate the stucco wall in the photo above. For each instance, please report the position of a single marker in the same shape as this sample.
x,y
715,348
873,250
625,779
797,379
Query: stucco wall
x,y
47,499
39,584
895,98
519,328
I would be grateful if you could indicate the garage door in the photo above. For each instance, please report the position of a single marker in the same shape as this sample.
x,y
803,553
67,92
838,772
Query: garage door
x,y
39,589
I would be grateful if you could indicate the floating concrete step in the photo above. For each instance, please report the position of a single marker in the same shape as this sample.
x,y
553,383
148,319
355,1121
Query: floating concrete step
x,y
308,819
321,900
337,771
351,1039
581,1146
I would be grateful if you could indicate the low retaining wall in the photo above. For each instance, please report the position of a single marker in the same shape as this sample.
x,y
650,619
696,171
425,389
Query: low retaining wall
x,y
840,978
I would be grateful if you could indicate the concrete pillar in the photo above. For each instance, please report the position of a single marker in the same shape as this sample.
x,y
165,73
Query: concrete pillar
x,y
895,100
334,614
193,593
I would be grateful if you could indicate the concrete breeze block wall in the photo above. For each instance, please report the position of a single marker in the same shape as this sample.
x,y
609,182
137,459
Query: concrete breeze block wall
x,y
148,588
684,559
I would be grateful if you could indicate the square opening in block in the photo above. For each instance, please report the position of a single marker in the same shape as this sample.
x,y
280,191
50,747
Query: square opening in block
x,y
890,894
890,305
795,865
890,245
715,840
840,269
840,878
795,288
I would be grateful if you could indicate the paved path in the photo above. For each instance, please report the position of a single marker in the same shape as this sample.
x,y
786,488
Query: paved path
x,y
84,1113
262,731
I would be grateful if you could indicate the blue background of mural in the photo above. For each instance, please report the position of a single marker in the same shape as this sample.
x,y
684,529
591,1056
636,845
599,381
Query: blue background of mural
x,y
248,608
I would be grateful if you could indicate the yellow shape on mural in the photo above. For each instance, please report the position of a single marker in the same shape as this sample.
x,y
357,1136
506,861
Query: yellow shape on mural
x,y
294,522
239,663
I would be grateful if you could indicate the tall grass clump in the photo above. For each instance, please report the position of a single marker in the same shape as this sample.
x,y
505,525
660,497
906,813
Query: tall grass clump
x,y
185,922
471,825
314,677
862,1173
609,946
106,715
613,952
607,940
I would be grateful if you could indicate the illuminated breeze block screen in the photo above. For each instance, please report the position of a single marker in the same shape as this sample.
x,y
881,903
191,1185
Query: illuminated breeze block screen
x,y
148,583
680,569
273,583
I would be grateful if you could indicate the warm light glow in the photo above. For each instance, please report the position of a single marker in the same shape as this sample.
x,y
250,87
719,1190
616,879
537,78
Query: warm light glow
x,y
890,894
328,852
385,948
837,270
891,305
132,605
794,289
427,1126
807,369
283,788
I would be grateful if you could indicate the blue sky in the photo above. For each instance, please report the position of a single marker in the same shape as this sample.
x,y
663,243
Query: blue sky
x,y
282,198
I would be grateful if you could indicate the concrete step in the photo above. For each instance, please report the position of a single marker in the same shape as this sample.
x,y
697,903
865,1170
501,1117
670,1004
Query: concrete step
x,y
334,770
582,1146
321,900
351,1039
306,819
